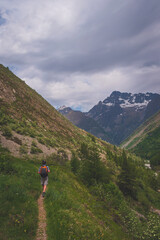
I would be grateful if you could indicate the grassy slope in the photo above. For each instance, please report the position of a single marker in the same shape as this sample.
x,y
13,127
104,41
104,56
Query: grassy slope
x,y
149,147
20,189
145,140
25,112
73,213
28,108
73,210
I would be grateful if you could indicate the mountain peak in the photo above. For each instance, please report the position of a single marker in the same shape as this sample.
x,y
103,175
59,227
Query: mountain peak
x,y
121,113
128,100
61,108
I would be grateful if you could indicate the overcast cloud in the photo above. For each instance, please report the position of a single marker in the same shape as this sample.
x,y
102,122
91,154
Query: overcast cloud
x,y
76,53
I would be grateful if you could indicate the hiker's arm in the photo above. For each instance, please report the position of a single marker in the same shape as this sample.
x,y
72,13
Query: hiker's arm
x,y
48,169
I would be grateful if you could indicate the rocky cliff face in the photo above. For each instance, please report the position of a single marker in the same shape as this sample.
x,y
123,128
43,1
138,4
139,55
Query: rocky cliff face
x,y
121,113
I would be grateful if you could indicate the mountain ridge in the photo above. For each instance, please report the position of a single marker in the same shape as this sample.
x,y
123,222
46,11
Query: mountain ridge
x,y
118,115
84,122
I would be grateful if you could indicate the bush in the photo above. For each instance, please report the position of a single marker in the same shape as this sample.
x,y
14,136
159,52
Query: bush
x,y
6,164
35,150
41,140
23,149
109,193
75,163
7,132
92,169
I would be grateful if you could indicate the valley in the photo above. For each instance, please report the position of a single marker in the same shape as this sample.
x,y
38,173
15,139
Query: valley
x,y
96,190
117,117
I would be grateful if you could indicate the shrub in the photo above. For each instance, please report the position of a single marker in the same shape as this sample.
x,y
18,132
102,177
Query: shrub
x,y
6,164
92,169
7,132
23,149
74,163
41,140
35,149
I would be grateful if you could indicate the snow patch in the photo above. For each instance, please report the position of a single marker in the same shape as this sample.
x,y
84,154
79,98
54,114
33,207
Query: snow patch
x,y
134,104
109,104
62,108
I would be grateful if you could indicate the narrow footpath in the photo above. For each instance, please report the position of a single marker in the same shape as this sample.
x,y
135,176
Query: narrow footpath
x,y
41,231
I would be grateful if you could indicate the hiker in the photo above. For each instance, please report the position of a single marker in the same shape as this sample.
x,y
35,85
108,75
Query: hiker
x,y
43,171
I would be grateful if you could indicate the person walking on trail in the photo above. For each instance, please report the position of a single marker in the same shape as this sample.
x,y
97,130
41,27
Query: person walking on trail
x,y
43,171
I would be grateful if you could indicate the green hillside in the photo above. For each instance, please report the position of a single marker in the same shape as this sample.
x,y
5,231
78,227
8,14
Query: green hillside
x,y
87,202
145,142
29,124
95,191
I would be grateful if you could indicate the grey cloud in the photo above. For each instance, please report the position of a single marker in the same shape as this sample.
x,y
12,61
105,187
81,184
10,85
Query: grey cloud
x,y
107,35
104,41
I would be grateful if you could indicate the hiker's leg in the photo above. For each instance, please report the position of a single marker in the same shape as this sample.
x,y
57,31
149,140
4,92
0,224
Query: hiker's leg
x,y
45,182
44,188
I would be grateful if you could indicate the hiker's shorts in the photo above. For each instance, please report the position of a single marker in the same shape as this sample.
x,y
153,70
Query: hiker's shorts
x,y
44,181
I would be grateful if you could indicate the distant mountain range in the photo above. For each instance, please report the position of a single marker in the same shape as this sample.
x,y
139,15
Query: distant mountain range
x,y
81,120
117,116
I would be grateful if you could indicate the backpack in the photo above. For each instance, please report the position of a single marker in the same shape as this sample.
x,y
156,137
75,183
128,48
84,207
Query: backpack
x,y
43,171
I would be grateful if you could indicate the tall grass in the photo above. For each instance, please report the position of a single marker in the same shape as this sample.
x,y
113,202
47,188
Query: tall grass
x,y
20,189
73,213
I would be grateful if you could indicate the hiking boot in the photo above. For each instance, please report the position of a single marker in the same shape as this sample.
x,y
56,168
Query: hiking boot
x,y
43,194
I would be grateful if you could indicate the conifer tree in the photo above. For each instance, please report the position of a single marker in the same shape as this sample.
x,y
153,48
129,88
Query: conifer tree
x,y
74,163
92,169
127,177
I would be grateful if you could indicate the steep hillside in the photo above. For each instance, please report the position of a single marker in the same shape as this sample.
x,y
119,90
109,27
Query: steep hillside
x,y
29,124
82,121
146,139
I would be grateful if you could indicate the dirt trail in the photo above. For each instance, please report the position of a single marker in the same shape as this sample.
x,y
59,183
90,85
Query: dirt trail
x,y
41,231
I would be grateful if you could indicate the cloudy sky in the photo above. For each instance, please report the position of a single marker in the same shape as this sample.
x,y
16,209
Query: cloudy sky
x,y
76,53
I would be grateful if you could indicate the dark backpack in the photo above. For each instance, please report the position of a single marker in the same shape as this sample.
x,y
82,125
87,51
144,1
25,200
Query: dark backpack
x,y
43,171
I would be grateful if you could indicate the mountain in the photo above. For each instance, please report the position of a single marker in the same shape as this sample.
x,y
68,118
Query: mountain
x,y
145,141
121,113
82,121
95,191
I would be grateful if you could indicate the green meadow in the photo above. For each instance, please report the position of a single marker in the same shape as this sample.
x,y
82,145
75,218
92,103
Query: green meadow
x,y
20,190
80,203
74,213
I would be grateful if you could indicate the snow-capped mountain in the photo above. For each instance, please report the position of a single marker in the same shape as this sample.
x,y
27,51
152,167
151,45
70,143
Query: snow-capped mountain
x,y
117,116
64,110
121,113
126,100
